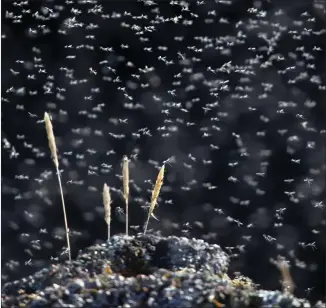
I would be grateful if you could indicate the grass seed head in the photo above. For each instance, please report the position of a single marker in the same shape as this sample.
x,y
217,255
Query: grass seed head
x,y
157,189
107,203
155,194
107,208
125,174
288,284
51,138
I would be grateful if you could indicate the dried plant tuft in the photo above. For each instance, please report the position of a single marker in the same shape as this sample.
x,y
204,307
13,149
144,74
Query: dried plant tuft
x,y
107,207
125,174
287,281
155,194
52,145
53,149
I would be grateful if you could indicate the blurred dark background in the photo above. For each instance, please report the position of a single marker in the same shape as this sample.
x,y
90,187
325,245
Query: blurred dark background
x,y
264,151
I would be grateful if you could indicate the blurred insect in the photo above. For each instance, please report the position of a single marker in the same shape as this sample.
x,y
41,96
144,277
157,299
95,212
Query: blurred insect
x,y
29,262
185,232
120,214
145,207
220,211
233,179
54,259
92,71
308,290
32,115
136,228
65,252
319,204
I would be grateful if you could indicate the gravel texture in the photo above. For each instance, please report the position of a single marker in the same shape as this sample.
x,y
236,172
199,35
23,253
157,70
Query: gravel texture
x,y
143,271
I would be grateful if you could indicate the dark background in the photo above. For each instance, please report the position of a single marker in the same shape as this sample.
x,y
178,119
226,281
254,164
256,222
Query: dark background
x,y
84,135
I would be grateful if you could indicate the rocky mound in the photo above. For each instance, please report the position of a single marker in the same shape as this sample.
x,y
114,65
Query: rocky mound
x,y
143,271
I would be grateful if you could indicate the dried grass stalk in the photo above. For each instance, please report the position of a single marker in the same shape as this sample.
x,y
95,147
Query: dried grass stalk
x,y
155,194
287,281
53,149
125,174
107,207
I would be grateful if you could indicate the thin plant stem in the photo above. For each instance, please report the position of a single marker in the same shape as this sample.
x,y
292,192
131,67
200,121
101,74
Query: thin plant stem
x,y
64,213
